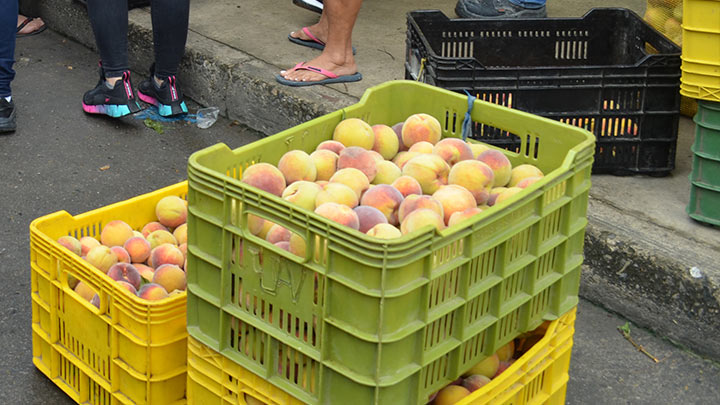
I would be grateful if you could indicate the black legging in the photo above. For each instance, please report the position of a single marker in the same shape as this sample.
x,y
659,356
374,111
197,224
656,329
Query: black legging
x,y
109,20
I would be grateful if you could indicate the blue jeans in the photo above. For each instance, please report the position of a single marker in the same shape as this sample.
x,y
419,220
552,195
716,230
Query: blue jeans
x,y
529,3
8,29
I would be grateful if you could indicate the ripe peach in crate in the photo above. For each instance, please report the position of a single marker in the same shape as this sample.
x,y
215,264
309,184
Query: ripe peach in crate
x,y
518,173
418,201
122,255
152,292
302,193
266,177
170,277
453,150
384,231
333,146
474,176
87,243
451,394
386,141
138,248
353,178
160,237
407,185
101,257
369,217
338,213
180,234
354,132
454,199
115,233
421,218
358,158
71,244
297,165
325,163
420,127
337,193
151,227
422,147
167,253
278,233
430,170
125,272
385,198
403,157
171,211
500,165
459,216
387,172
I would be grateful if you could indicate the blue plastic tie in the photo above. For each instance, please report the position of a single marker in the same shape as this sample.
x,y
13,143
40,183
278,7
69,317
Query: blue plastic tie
x,y
467,122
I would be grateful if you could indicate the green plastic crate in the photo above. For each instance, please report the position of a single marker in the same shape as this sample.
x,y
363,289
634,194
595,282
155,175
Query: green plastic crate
x,y
369,321
704,205
705,170
707,130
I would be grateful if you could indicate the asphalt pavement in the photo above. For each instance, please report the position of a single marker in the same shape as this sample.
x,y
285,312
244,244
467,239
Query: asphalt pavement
x,y
63,159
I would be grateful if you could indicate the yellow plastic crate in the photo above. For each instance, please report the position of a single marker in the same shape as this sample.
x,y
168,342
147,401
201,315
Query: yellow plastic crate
x,y
701,50
540,376
128,351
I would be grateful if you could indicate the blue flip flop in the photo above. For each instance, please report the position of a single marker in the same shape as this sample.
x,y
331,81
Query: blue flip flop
x,y
313,42
331,77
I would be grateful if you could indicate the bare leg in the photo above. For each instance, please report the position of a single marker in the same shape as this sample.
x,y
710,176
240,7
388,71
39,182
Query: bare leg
x,y
337,57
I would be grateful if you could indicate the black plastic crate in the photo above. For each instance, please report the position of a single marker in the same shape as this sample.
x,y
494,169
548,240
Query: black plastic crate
x,y
608,72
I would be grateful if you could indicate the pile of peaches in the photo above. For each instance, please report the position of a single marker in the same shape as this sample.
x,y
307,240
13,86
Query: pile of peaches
x,y
388,181
149,263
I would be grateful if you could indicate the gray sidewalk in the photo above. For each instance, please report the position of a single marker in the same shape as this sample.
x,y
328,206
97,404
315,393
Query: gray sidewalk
x,y
640,244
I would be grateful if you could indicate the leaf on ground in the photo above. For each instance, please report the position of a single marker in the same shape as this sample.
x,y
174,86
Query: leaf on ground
x,y
155,126
625,328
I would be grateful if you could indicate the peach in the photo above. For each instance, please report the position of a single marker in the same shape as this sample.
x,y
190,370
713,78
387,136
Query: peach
x,y
521,172
384,231
421,218
297,165
494,193
266,177
397,128
358,158
475,382
138,233
403,157
430,170
386,198
183,249
151,227
422,147
475,176
387,172
122,254
266,226
459,216
70,243
255,224
325,163
407,185
180,234
338,213
450,395
354,132
509,192
297,245
84,291
378,157
138,248
166,253
302,193
506,352
386,141
127,286
101,257
332,146
171,277
277,234
454,198
500,165
421,127
418,201
487,367
72,281
368,217
171,211
87,243
152,292
95,301
504,365
453,150
477,148
125,272
353,178
527,181
159,237
146,272
283,244
338,193
115,233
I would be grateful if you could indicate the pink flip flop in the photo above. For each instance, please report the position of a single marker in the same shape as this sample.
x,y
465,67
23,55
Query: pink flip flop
x,y
313,42
331,77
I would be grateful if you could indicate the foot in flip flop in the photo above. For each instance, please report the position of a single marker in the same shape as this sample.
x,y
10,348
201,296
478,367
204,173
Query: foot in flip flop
x,y
27,26
309,74
305,37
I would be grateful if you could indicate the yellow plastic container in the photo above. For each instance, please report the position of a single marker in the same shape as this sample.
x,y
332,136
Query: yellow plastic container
x,y
540,376
701,50
127,351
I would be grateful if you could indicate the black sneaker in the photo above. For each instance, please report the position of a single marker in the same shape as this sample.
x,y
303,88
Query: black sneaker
x,y
116,102
167,98
312,5
7,116
497,9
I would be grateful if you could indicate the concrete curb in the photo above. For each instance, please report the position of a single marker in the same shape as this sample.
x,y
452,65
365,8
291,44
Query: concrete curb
x,y
624,271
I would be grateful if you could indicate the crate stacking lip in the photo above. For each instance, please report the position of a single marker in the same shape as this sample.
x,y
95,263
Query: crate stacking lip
x,y
608,72
539,376
127,351
369,321
701,50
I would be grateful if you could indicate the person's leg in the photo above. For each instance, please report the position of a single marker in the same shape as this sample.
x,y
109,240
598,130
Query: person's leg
x,y
170,28
337,57
7,59
500,8
113,94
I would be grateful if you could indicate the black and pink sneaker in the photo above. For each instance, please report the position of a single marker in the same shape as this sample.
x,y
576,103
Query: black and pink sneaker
x,y
167,97
116,102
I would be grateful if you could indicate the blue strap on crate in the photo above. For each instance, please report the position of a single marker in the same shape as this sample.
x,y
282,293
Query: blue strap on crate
x,y
467,121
